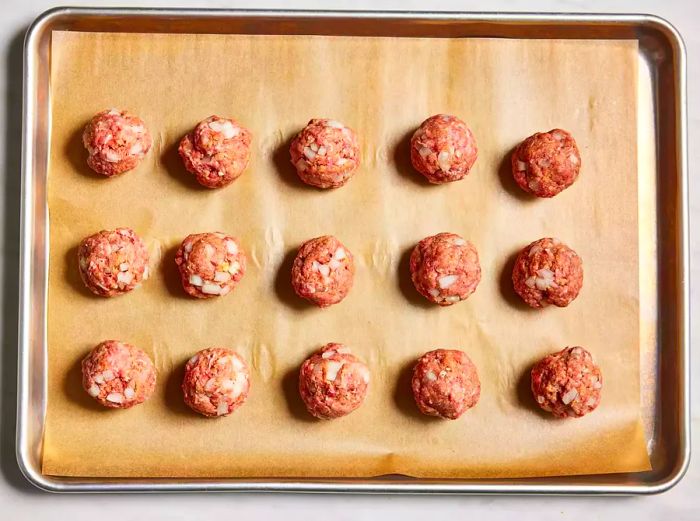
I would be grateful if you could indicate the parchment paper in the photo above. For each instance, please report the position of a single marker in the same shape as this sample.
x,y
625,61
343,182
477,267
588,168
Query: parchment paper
x,y
383,88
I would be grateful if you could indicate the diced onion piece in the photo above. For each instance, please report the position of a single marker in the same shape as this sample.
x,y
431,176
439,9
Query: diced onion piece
x,y
94,390
339,254
239,385
332,369
222,276
327,354
424,152
211,289
129,393
115,397
569,396
447,281
196,280
444,161
324,270
309,154
520,166
231,247
222,408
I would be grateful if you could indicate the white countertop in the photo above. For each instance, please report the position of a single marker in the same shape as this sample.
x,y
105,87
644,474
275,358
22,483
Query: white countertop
x,y
20,501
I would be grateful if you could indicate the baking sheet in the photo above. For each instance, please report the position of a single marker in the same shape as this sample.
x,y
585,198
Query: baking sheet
x,y
383,88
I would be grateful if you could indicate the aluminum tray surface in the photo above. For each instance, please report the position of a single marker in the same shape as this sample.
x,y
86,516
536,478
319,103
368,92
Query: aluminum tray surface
x,y
663,215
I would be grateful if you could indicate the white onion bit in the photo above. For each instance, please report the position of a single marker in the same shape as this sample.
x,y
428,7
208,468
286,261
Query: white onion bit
x,y
447,281
339,254
211,289
569,396
430,376
94,390
222,276
115,397
520,166
196,280
129,393
327,354
222,408
424,152
332,369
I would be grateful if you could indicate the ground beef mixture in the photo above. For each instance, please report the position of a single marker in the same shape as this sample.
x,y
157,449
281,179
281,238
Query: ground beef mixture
x,y
445,383
445,268
567,383
323,271
546,163
443,149
216,152
547,272
325,153
116,141
216,382
333,382
210,264
113,262
118,375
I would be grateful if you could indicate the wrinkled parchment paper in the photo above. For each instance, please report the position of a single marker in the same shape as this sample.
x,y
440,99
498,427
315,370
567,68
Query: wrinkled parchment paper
x,y
383,88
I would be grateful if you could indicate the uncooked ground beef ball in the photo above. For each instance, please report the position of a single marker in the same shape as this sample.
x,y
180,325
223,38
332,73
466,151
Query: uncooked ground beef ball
x,y
325,153
333,382
210,264
323,271
216,152
546,163
443,149
113,262
567,383
546,272
445,268
118,375
216,382
445,383
116,141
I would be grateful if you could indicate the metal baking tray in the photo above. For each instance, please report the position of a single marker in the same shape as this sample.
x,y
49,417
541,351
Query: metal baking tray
x,y
663,229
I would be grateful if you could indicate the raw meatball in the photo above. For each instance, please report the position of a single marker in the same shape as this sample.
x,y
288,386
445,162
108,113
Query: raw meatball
x,y
216,151
216,382
445,383
118,375
325,153
116,142
211,264
333,382
567,383
113,262
323,271
445,268
443,149
548,272
546,163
